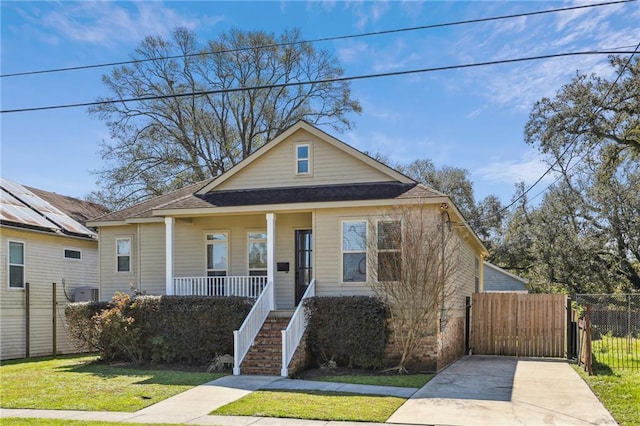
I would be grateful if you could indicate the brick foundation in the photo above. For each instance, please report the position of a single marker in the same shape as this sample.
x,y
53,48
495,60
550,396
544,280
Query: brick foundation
x,y
301,358
435,351
451,343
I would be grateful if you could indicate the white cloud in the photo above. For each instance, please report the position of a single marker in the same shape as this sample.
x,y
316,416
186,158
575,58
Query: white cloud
x,y
108,24
528,168
367,12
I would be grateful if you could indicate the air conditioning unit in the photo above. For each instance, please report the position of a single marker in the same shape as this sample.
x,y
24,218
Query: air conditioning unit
x,y
86,294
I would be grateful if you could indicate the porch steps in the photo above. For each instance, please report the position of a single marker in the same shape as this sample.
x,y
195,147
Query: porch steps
x,y
265,355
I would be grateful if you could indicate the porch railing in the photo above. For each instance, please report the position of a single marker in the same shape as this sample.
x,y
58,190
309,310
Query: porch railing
x,y
293,333
244,337
219,286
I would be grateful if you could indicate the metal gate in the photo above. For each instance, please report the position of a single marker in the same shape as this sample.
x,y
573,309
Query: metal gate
x,y
611,331
527,325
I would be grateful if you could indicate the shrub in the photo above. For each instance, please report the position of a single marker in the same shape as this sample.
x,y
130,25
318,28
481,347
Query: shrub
x,y
161,329
352,331
82,328
191,329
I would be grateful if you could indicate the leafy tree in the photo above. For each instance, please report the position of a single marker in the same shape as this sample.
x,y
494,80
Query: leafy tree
x,y
170,137
585,235
485,217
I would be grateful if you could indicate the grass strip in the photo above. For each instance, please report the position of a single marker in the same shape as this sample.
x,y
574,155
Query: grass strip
x,y
404,380
81,383
619,392
314,405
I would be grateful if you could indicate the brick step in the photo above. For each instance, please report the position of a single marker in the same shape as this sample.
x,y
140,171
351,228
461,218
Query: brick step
x,y
261,363
270,349
265,355
267,340
260,371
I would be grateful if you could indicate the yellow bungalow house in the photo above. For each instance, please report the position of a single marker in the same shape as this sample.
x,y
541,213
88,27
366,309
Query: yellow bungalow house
x,y
277,227
43,241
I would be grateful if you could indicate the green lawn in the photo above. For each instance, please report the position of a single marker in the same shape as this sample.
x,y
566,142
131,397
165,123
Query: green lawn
x,y
81,383
314,405
400,380
617,388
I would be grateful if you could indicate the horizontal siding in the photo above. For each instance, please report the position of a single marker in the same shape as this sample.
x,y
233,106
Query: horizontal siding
x,y
328,253
112,281
151,252
329,165
44,265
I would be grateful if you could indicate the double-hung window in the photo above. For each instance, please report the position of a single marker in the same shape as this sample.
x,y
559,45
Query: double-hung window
x,y
123,254
354,251
16,264
389,250
217,254
257,252
303,159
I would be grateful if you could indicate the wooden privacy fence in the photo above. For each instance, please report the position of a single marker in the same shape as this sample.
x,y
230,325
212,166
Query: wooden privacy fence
x,y
528,325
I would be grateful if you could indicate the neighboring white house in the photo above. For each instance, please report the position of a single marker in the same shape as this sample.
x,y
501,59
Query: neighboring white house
x,y
43,240
497,280
296,212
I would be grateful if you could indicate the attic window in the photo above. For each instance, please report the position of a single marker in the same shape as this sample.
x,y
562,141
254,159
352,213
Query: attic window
x,y
303,159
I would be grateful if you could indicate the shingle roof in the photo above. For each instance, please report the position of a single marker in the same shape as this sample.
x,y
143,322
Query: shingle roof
x,y
35,209
79,210
186,198
145,208
315,194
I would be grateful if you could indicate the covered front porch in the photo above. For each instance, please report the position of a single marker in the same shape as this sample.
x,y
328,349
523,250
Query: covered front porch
x,y
238,254
267,257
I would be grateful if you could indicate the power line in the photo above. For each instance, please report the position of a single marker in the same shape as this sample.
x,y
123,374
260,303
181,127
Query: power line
x,y
322,39
571,144
303,83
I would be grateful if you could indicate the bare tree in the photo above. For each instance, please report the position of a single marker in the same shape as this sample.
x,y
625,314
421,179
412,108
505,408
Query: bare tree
x,y
201,108
415,257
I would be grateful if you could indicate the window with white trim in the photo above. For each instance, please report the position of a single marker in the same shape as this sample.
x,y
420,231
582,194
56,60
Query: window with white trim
x,y
123,254
303,159
257,253
72,254
217,254
354,251
389,249
16,264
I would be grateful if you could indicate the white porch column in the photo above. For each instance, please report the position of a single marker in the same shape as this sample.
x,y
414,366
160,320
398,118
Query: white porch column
x,y
169,224
271,255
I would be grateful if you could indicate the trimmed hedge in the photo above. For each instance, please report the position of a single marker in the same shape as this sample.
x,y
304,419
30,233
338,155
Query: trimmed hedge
x,y
351,331
160,329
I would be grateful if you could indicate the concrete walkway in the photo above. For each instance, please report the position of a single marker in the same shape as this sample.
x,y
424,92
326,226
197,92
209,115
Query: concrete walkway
x,y
476,390
482,390
193,406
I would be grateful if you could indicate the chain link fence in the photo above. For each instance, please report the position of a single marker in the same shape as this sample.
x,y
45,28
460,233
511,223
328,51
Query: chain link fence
x,y
614,332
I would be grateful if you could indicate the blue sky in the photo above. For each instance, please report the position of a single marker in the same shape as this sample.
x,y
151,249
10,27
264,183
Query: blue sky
x,y
469,118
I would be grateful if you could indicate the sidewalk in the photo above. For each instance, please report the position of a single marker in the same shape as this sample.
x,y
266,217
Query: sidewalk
x,y
193,406
475,390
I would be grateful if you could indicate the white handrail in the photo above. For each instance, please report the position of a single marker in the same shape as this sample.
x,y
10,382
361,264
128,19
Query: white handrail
x,y
246,286
244,337
293,333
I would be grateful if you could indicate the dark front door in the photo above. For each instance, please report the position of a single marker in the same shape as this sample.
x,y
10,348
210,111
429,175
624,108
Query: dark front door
x,y
303,262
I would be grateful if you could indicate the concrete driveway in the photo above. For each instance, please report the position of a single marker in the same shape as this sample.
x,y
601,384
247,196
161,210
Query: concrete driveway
x,y
487,390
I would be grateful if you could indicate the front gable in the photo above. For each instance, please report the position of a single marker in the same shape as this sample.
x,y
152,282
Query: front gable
x,y
328,161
